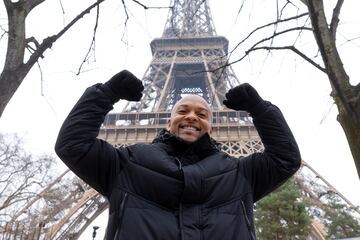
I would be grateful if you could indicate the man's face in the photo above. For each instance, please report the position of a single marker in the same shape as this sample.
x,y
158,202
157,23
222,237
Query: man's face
x,y
190,118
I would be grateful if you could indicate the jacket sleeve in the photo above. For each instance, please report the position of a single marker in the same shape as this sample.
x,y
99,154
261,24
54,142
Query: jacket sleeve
x,y
281,158
93,160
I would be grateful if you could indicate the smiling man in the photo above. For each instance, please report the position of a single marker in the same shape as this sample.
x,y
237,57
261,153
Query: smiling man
x,y
191,117
181,186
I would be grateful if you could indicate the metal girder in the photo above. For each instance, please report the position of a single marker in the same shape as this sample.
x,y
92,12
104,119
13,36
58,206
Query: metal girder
x,y
189,18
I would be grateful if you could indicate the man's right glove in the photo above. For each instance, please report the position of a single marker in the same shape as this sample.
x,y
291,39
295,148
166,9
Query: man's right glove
x,y
124,85
243,97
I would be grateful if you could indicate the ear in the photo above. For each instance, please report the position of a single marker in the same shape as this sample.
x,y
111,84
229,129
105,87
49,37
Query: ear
x,y
168,124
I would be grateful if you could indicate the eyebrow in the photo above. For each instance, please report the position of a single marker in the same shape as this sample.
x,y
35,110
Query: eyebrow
x,y
201,108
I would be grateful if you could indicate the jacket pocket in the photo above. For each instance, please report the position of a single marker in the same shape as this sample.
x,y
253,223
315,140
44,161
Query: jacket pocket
x,y
120,215
247,221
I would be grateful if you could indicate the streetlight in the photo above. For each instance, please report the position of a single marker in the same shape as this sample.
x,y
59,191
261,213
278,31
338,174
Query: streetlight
x,y
94,232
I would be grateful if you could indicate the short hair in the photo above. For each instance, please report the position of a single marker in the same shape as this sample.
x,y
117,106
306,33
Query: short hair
x,y
201,99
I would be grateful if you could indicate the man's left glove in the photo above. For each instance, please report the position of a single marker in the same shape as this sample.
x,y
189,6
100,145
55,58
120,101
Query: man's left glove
x,y
243,97
124,85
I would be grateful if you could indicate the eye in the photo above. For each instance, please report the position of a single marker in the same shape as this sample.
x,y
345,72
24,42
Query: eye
x,y
202,115
181,111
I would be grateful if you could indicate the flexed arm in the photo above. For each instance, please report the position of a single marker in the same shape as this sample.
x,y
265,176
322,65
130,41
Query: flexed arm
x,y
281,157
94,160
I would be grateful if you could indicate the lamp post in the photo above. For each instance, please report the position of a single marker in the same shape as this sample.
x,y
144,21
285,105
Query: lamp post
x,y
94,232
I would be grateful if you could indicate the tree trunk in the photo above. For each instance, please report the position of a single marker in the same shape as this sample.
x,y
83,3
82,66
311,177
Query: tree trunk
x,y
11,78
10,84
347,97
351,127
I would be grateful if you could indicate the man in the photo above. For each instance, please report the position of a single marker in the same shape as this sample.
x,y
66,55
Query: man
x,y
181,186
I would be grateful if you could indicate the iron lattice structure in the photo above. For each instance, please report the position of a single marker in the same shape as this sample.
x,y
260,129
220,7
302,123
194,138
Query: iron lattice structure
x,y
189,58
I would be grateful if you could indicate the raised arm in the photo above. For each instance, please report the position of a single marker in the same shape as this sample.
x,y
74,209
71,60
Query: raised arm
x,y
281,157
92,159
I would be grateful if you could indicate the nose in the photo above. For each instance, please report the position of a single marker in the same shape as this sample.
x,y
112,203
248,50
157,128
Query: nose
x,y
191,115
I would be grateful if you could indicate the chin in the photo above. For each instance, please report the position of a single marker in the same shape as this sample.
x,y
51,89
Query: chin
x,y
189,140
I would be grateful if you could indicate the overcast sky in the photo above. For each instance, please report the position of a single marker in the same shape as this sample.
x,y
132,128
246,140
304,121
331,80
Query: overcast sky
x,y
301,91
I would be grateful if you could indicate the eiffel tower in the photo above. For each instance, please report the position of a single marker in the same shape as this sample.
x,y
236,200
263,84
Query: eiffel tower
x,y
189,58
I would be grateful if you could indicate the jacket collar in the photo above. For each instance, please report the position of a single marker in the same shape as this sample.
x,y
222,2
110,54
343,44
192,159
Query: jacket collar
x,y
202,147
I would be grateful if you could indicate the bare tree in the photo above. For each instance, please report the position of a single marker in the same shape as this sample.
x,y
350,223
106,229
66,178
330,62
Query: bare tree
x,y
15,67
42,210
22,175
31,200
313,21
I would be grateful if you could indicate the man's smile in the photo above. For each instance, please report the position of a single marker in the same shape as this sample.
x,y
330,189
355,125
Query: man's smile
x,y
190,127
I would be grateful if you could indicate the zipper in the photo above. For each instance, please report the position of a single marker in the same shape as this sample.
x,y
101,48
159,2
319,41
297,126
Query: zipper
x,y
121,214
252,237
180,204
179,163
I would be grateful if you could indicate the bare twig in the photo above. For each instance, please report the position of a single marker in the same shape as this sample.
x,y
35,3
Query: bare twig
x,y
147,7
31,50
62,7
92,44
240,9
280,13
4,32
351,41
280,33
292,48
144,6
300,32
267,25
126,20
35,42
63,11
41,79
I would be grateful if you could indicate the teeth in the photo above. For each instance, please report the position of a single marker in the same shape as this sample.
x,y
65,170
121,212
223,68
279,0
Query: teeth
x,y
190,128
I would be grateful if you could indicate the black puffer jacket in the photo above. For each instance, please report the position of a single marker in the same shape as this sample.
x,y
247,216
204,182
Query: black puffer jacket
x,y
170,190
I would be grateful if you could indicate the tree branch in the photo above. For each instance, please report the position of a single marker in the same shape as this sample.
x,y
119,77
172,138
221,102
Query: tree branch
x,y
31,4
92,45
47,43
269,48
267,25
295,50
280,33
126,20
7,3
335,17
144,6
4,32
147,7
29,47
280,13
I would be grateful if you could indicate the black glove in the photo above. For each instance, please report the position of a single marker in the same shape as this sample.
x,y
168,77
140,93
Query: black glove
x,y
243,97
124,85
